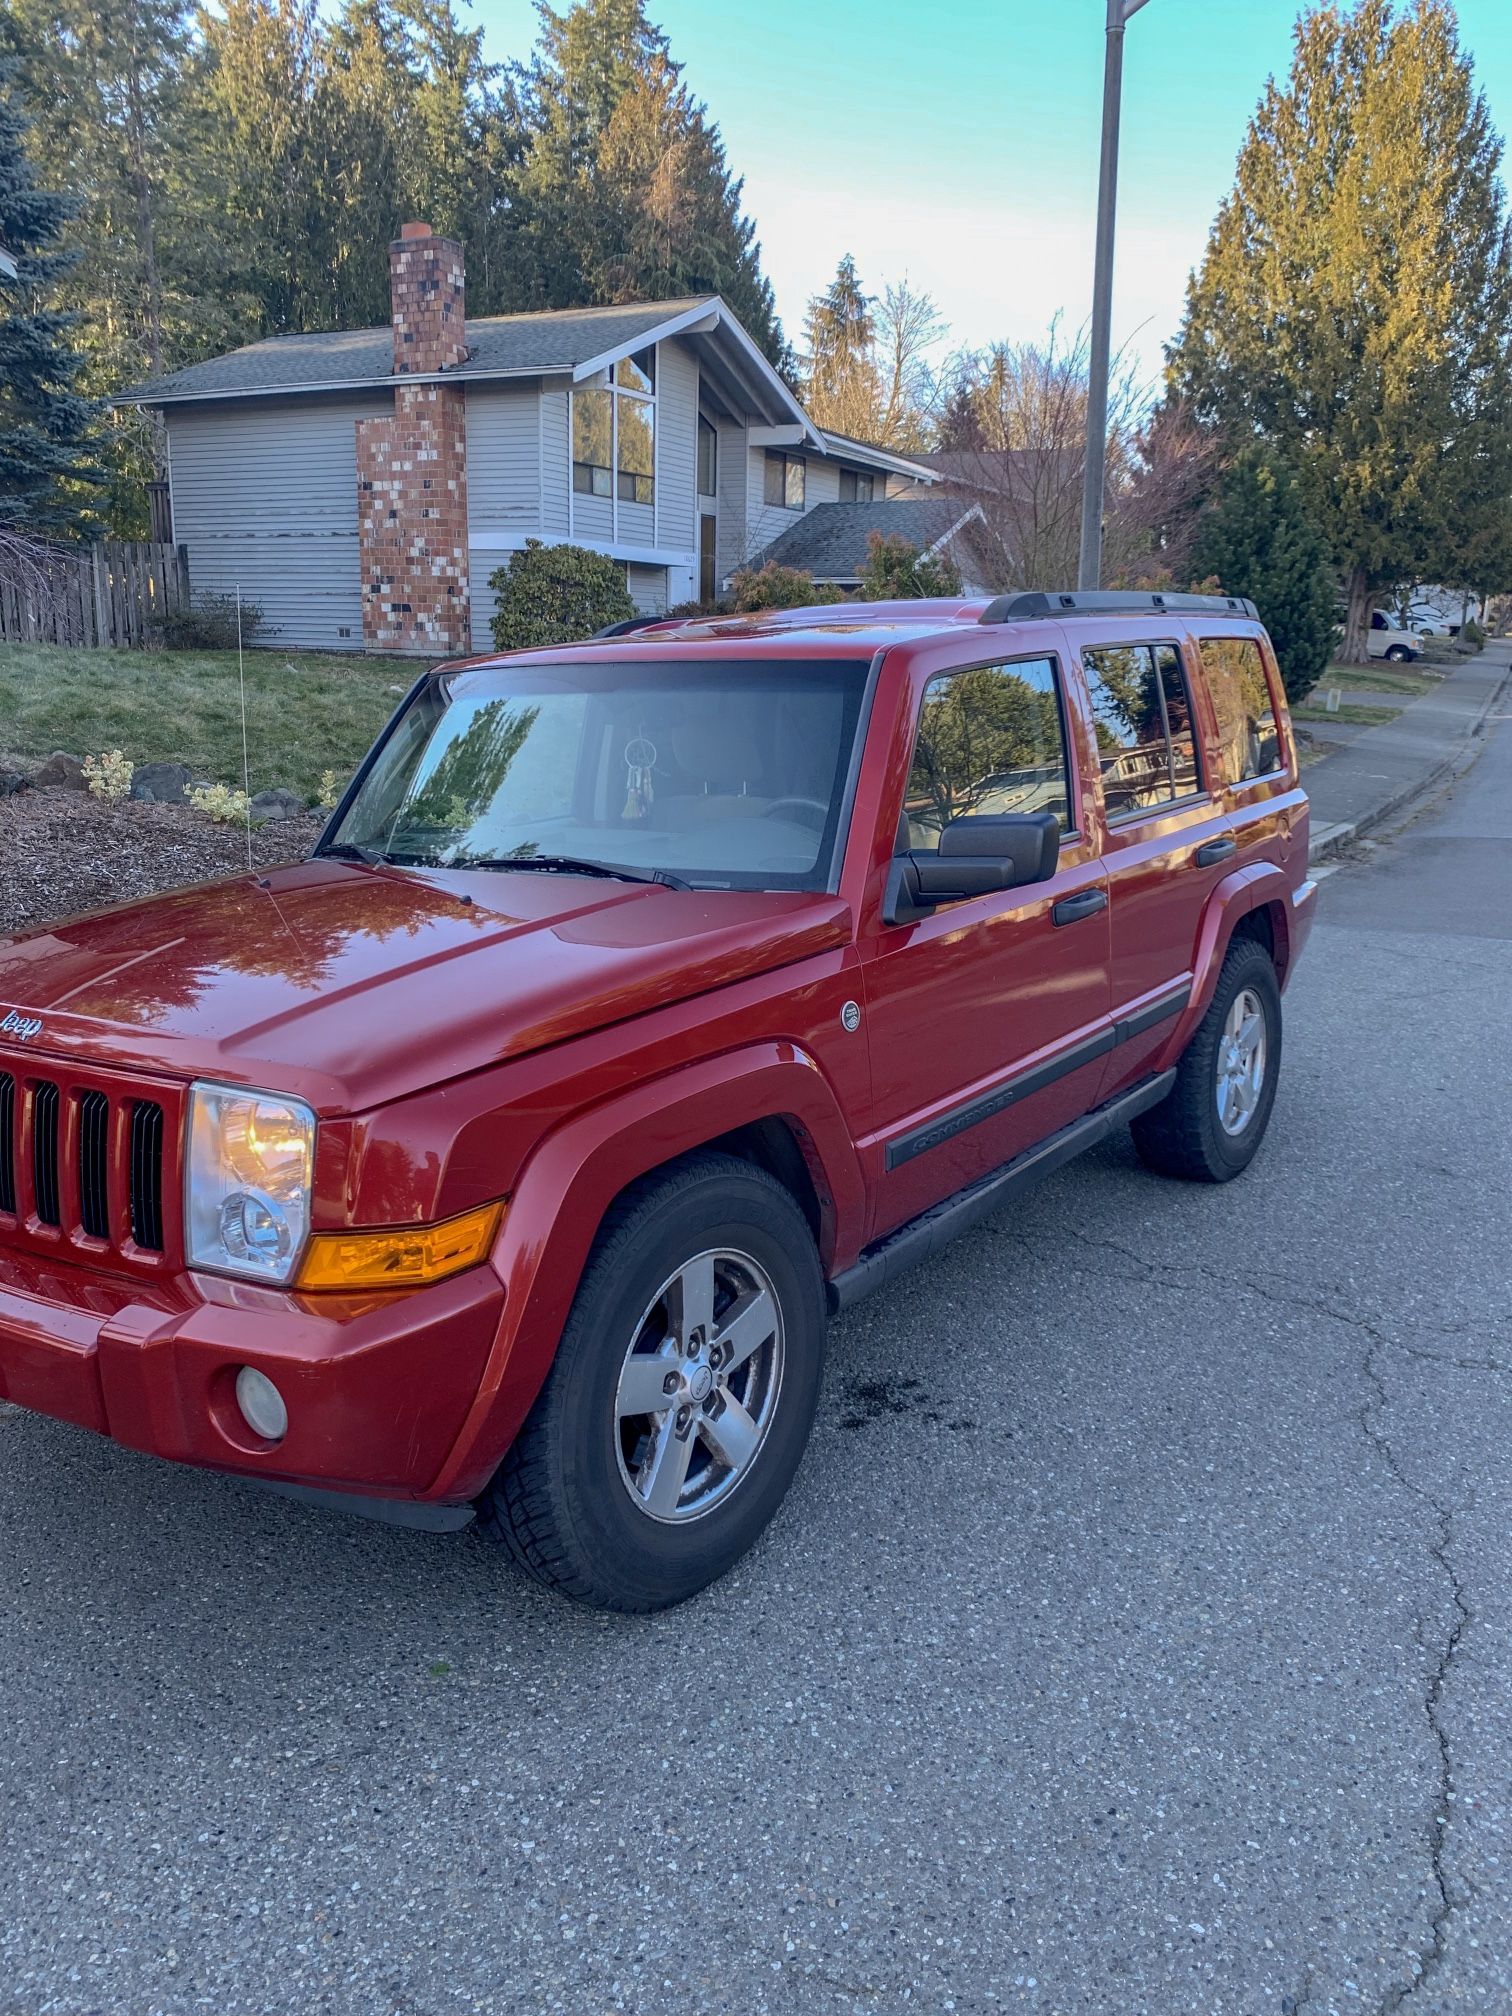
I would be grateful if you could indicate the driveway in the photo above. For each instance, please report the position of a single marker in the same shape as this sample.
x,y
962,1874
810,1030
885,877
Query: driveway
x,y
1135,1639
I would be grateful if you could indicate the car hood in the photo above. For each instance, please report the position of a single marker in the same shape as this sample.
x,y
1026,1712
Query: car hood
x,y
351,985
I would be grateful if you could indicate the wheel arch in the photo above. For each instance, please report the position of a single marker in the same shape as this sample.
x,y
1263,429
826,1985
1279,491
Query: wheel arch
x,y
769,1105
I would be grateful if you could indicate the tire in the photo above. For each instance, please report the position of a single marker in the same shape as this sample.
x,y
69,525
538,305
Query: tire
x,y
583,1499
1184,1135
1400,655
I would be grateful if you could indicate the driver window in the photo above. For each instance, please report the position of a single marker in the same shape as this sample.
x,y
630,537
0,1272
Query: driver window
x,y
989,740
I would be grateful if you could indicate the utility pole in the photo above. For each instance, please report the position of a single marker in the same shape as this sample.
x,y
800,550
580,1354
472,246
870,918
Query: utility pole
x,y
1089,570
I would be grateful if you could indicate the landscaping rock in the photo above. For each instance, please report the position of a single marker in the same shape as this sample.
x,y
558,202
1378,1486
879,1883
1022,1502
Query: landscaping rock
x,y
277,804
160,783
11,781
61,772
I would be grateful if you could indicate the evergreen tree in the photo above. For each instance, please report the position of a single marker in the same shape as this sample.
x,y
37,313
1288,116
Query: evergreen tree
x,y
1354,306
44,419
841,384
1259,539
624,190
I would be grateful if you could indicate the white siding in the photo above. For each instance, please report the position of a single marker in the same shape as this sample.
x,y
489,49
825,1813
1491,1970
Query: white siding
x,y
556,462
504,490
676,445
648,589
265,498
637,524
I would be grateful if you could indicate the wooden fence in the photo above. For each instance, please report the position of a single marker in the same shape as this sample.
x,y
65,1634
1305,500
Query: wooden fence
x,y
115,591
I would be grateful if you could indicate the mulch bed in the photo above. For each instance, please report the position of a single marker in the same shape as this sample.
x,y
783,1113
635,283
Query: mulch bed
x,y
62,852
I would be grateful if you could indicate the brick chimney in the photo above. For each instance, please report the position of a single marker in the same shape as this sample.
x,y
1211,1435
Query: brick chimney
x,y
426,288
412,466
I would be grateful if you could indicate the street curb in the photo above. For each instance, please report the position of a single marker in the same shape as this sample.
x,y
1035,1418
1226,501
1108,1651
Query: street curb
x,y
1327,841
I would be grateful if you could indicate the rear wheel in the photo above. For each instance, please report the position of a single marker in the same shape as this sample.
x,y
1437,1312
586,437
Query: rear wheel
x,y
682,1394
1211,1123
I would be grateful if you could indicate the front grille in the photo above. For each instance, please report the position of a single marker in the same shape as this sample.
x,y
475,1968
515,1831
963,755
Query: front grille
x,y
94,1174
82,1163
147,1175
45,1153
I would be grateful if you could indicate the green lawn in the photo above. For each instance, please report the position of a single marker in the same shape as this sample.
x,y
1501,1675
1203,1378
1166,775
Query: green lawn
x,y
1378,678
307,711
1347,716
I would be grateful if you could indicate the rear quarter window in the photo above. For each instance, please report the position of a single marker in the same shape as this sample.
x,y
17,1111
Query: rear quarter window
x,y
1249,741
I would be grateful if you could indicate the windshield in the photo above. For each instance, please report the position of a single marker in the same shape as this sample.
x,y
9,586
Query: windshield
x,y
727,774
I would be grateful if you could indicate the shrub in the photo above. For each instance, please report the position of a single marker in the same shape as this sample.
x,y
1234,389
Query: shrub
x,y
688,612
209,624
220,802
1473,634
331,788
773,587
556,595
109,775
896,571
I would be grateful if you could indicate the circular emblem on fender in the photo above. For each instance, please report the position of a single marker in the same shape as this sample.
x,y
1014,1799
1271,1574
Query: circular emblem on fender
x,y
701,1385
850,1017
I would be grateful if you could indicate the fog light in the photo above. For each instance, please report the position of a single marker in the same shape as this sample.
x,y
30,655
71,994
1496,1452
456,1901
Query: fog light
x,y
261,1404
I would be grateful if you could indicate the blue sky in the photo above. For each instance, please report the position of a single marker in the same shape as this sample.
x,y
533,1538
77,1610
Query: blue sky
x,y
957,143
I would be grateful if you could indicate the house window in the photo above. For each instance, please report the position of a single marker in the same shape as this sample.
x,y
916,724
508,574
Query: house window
x,y
857,486
592,442
614,433
708,458
784,480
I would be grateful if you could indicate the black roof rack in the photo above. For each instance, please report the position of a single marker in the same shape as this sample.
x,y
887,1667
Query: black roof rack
x,y
628,627
1026,607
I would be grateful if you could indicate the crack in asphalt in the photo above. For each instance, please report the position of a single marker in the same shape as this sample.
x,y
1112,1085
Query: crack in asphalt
x,y
1425,1963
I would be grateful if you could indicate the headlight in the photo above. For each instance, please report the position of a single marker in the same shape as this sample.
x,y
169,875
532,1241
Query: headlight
x,y
247,1202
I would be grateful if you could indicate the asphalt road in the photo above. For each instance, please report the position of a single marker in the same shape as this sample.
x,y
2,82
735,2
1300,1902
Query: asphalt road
x,y
1135,1640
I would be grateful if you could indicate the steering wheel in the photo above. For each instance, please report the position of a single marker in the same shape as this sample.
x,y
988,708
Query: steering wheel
x,y
783,808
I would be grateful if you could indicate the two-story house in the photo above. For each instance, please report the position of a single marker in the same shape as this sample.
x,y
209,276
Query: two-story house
x,y
362,485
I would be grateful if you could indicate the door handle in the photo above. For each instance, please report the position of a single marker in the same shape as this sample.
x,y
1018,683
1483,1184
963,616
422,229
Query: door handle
x,y
1213,851
1085,903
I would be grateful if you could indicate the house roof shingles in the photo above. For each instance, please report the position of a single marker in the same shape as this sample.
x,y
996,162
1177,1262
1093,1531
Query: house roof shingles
x,y
505,346
829,542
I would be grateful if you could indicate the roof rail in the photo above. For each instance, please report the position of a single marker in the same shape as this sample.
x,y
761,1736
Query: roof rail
x,y
1025,608
625,629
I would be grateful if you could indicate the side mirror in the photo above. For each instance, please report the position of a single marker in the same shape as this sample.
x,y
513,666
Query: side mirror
x,y
979,853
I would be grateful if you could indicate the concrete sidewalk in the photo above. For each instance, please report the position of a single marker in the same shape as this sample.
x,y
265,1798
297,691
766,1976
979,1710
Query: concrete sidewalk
x,y
1384,768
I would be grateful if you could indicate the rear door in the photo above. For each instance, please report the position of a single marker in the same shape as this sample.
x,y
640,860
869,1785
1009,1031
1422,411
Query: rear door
x,y
1166,838
988,1019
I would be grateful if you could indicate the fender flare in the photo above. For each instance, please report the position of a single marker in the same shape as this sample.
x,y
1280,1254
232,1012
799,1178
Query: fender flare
x,y
573,1175
1256,887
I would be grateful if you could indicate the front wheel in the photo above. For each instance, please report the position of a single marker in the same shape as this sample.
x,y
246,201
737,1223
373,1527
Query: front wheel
x,y
1212,1121
682,1394
1400,655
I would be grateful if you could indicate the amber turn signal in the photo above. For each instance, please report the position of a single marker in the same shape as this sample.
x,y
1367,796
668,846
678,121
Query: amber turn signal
x,y
399,1259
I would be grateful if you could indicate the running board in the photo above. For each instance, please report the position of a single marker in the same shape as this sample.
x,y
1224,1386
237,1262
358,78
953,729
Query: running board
x,y
922,1237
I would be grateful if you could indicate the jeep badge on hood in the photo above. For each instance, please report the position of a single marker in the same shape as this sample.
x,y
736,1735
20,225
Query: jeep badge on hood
x,y
22,1027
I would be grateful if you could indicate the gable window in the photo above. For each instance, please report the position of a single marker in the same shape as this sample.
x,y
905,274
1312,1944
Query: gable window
x,y
990,740
592,442
1143,720
708,458
857,486
784,485
614,433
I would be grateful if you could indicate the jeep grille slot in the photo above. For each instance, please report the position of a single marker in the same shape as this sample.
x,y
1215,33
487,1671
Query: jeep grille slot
x,y
94,1149
45,1153
7,1142
147,1175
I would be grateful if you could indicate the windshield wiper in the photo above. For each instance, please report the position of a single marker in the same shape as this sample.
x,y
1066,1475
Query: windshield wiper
x,y
349,850
572,864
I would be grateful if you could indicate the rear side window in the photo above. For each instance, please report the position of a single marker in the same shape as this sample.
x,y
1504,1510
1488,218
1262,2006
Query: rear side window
x,y
1249,744
989,740
1142,716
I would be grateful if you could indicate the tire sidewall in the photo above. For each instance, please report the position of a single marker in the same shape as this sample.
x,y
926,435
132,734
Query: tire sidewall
x,y
1247,966
657,1562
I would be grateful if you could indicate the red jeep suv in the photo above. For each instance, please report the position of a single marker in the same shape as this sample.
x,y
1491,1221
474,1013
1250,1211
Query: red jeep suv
x,y
645,1001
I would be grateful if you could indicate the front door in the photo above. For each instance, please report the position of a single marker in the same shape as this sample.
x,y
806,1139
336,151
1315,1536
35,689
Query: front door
x,y
989,1018
707,575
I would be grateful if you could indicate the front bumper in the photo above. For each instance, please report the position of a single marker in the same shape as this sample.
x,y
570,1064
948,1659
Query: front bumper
x,y
377,1387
